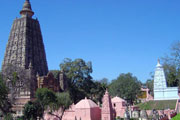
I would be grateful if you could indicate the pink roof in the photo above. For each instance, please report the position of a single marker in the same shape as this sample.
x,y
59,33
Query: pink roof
x,y
117,99
86,103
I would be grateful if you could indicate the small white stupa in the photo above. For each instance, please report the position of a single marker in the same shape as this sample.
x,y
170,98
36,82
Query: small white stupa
x,y
161,91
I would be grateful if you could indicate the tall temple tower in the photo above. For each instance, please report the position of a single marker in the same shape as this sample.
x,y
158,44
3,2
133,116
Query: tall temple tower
x,y
25,50
25,45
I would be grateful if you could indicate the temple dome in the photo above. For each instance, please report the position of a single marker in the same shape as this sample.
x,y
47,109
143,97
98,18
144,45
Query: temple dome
x,y
117,99
86,103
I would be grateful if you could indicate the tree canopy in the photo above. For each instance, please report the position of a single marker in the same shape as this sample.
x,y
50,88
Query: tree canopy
x,y
31,110
77,71
171,65
80,82
5,105
78,77
46,100
63,102
149,84
125,86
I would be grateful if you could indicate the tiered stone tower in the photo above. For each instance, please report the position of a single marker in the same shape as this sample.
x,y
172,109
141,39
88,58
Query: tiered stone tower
x,y
107,110
25,49
25,45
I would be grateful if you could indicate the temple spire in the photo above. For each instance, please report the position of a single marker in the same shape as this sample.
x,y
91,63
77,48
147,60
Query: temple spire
x,y
27,10
158,64
106,110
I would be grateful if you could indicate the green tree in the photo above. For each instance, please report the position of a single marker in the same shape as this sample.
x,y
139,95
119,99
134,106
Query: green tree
x,y
78,77
171,65
8,116
32,110
63,102
149,84
104,81
97,92
125,86
47,100
5,105
44,98
172,74
21,118
80,83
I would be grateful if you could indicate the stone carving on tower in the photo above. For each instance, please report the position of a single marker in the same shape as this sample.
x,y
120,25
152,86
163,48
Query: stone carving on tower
x,y
161,91
107,110
25,43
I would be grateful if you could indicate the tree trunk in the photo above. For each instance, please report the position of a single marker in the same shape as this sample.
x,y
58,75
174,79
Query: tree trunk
x,y
62,114
59,117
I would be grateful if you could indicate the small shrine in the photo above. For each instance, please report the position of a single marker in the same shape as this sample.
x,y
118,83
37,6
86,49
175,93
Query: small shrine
x,y
161,91
106,110
119,106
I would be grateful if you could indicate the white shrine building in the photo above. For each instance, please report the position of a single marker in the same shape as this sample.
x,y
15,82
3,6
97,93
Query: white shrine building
x,y
161,91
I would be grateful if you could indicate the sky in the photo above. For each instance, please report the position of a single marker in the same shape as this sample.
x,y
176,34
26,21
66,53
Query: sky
x,y
117,36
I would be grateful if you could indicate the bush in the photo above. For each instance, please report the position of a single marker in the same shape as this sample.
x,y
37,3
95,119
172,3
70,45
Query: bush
x,y
134,119
20,118
119,118
177,117
8,117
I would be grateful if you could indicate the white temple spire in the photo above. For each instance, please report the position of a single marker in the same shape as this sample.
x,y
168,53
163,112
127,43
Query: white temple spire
x,y
158,64
161,91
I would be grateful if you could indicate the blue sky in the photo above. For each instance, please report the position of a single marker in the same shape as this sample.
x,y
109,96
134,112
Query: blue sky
x,y
117,36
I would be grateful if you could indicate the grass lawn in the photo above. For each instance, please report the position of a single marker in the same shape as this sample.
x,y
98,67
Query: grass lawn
x,y
177,117
158,105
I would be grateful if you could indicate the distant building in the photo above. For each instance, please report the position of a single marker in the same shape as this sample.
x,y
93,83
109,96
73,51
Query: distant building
x,y
145,96
119,106
161,91
86,109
